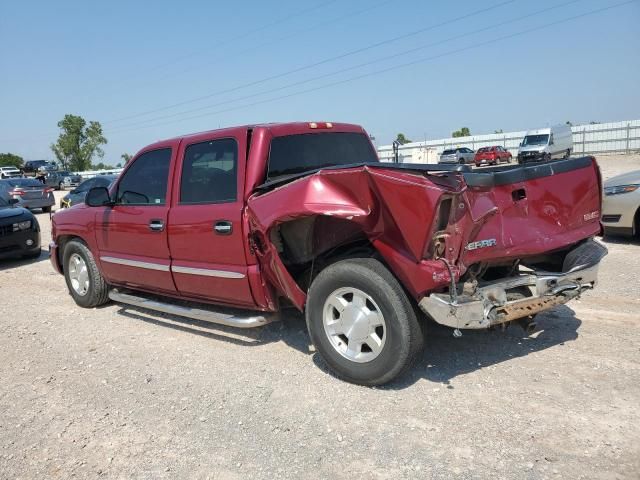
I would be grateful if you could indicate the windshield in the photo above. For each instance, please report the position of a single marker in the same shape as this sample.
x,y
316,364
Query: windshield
x,y
536,140
311,151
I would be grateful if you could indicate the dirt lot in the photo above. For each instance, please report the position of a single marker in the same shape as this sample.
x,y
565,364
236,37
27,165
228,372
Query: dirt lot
x,y
119,393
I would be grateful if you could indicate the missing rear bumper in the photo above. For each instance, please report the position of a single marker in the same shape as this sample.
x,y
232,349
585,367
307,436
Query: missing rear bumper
x,y
494,303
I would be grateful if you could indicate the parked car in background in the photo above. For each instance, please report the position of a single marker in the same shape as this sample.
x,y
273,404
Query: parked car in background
x,y
545,144
62,179
32,167
76,196
621,205
457,155
492,156
30,193
19,230
9,172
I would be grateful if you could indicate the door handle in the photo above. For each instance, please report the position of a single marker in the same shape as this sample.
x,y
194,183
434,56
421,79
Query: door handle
x,y
223,227
156,225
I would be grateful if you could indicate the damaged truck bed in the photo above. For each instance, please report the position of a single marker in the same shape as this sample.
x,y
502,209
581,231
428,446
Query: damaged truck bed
x,y
367,250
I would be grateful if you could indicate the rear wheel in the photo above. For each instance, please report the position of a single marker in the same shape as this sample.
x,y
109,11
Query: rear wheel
x,y
567,154
362,322
46,209
84,281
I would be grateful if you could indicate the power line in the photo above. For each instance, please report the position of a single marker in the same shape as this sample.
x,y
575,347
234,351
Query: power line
x,y
353,67
388,69
316,64
306,29
241,36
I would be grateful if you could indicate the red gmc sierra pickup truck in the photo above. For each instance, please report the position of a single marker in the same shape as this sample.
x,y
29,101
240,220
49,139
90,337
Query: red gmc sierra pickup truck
x,y
232,225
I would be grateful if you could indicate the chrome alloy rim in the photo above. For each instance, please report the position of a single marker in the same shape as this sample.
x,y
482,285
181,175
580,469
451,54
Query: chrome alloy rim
x,y
78,274
354,324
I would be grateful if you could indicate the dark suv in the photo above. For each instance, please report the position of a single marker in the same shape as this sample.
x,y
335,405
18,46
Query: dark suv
x,y
62,180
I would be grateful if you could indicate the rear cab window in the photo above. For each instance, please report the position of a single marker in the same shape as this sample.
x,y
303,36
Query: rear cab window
x,y
299,153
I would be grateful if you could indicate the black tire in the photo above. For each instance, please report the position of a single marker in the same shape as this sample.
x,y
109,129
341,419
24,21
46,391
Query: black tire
x,y
98,292
567,154
403,335
547,157
46,209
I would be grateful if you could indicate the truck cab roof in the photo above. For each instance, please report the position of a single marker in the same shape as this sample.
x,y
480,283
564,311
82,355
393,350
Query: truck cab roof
x,y
276,130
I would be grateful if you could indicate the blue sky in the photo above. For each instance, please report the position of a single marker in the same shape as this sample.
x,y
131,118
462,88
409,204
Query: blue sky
x,y
111,60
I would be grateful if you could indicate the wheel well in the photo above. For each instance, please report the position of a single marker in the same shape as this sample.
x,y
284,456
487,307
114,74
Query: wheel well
x,y
636,221
308,245
62,242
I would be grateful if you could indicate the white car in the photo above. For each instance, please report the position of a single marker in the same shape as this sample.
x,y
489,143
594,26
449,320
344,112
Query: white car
x,y
621,205
10,172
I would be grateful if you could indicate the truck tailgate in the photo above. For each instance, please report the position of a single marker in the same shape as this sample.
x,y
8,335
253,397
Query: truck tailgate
x,y
517,212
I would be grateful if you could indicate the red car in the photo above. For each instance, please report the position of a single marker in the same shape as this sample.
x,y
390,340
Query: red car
x,y
234,225
492,156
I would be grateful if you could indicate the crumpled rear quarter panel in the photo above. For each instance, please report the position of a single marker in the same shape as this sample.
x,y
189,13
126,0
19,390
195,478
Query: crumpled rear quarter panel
x,y
394,210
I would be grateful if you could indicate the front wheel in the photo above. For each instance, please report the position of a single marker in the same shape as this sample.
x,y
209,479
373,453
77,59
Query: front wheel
x,y
84,281
362,322
46,209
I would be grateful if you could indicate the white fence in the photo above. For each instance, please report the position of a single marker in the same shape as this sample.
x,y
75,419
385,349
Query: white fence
x,y
95,173
617,137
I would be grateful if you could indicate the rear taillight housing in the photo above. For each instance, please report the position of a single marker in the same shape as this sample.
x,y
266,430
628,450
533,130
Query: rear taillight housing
x,y
16,192
48,190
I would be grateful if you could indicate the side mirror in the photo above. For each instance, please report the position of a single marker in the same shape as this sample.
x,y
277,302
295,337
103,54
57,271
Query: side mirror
x,y
13,201
98,197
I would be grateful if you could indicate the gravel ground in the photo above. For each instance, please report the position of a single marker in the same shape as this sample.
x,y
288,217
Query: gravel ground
x,y
118,393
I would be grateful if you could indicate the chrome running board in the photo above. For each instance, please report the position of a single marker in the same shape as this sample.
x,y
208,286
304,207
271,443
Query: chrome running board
x,y
221,317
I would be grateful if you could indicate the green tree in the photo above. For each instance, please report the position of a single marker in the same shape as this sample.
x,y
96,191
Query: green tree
x,y
568,122
401,139
11,160
126,157
100,166
463,132
78,143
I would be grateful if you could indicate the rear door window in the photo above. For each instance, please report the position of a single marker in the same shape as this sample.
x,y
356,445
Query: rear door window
x,y
145,182
209,172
